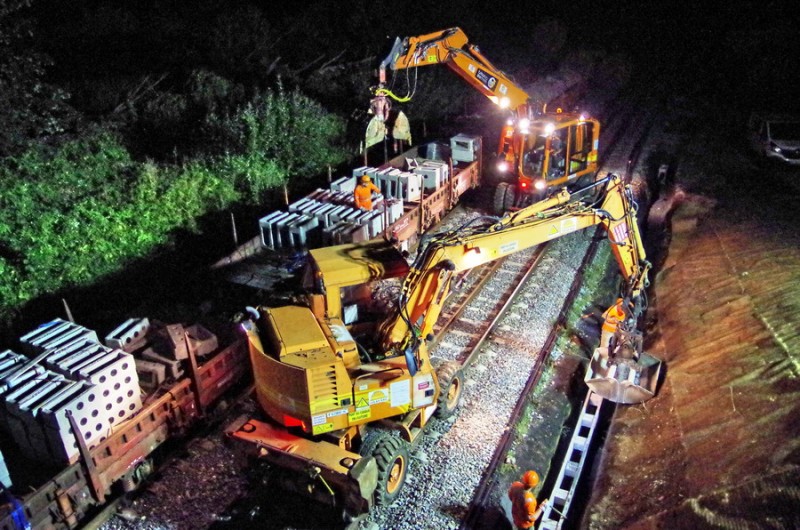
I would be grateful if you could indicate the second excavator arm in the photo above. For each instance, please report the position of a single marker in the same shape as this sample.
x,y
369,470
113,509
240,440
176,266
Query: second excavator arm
x,y
484,239
452,48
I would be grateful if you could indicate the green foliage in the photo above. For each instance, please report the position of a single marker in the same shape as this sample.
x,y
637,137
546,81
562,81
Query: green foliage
x,y
70,216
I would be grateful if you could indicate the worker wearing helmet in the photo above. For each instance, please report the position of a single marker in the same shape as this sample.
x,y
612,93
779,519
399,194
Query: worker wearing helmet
x,y
523,501
611,319
363,193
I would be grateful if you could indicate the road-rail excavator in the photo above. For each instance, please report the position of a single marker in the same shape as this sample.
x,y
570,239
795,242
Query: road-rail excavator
x,y
348,387
545,150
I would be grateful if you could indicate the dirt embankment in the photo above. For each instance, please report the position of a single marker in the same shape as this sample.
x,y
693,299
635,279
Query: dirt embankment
x,y
719,447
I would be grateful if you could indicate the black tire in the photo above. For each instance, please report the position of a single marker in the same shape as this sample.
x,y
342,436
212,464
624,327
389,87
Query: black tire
x,y
451,384
391,456
510,199
499,204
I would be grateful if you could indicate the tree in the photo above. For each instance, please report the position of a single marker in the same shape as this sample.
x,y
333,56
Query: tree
x,y
29,108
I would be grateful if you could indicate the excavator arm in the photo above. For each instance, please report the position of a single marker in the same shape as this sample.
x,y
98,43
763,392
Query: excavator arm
x,y
486,239
452,48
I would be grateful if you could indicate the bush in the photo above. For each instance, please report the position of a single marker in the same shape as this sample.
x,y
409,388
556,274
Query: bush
x,y
71,216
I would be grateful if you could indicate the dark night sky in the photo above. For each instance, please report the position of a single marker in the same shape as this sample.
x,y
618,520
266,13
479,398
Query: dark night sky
x,y
741,53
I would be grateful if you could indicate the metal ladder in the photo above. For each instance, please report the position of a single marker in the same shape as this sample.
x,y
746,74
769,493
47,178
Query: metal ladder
x,y
555,512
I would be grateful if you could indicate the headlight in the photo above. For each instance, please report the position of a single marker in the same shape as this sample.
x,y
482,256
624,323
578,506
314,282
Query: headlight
x,y
502,166
540,184
549,129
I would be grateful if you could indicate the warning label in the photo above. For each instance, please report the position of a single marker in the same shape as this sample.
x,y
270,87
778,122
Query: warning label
x,y
319,429
378,396
319,419
359,415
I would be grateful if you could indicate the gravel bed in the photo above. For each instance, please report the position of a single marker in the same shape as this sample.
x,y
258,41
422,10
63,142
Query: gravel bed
x,y
450,460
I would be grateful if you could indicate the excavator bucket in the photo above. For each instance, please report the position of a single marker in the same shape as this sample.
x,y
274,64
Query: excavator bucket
x,y
623,380
625,374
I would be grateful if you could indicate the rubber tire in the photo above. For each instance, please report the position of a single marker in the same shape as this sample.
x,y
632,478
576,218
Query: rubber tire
x,y
388,450
451,384
510,199
499,204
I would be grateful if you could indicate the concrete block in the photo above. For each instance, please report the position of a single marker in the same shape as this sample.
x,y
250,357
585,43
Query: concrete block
x,y
317,193
346,184
337,214
300,229
67,362
301,205
128,336
394,208
54,334
359,171
5,476
265,225
323,213
434,175
202,340
465,148
173,367
357,234
374,223
330,234
409,186
95,413
170,341
151,374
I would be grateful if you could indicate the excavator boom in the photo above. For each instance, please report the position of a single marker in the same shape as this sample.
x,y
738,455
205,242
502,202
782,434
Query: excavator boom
x,y
451,47
543,150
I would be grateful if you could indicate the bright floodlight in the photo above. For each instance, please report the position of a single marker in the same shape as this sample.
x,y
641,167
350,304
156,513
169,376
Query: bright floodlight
x,y
504,102
540,184
502,166
524,123
549,129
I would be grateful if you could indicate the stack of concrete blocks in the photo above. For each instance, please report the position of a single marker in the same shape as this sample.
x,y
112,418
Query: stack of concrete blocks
x,y
287,229
329,217
65,371
13,374
434,174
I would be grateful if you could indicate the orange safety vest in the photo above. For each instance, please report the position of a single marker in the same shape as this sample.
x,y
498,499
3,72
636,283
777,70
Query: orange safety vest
x,y
523,505
612,317
363,195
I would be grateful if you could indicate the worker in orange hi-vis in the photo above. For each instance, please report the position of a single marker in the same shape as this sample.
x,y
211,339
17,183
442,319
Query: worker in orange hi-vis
x,y
363,193
611,319
523,502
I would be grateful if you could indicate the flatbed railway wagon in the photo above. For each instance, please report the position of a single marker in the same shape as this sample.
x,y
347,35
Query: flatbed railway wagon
x,y
81,420
418,187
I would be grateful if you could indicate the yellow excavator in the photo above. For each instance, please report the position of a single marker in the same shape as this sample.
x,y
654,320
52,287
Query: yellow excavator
x,y
348,385
543,151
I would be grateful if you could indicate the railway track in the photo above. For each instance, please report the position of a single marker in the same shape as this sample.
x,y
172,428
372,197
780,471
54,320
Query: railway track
x,y
501,327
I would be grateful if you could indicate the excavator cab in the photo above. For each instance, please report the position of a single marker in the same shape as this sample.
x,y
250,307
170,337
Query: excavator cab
x,y
555,150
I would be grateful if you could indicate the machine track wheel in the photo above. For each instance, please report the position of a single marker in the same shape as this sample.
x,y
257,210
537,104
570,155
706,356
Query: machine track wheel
x,y
391,456
510,200
451,384
499,203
